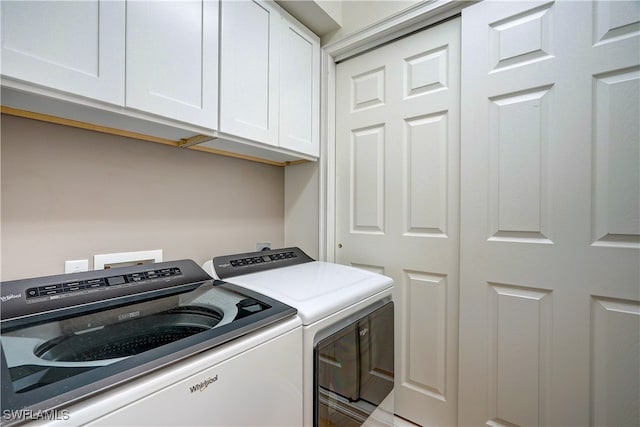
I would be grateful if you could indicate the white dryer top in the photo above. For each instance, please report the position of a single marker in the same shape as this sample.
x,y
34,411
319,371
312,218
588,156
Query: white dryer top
x,y
317,289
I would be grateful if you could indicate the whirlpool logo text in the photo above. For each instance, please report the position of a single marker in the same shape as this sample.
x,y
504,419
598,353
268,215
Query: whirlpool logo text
x,y
5,298
204,384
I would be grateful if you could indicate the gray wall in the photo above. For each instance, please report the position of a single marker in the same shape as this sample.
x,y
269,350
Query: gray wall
x,y
70,194
302,208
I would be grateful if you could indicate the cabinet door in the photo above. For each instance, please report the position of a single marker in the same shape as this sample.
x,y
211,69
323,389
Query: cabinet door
x,y
172,59
249,70
75,46
299,88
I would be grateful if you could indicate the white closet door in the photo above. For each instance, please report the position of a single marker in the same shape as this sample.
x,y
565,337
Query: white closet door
x,y
397,178
550,223
70,46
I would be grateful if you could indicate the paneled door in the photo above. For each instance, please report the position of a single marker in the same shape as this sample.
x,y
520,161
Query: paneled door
x,y
397,202
550,214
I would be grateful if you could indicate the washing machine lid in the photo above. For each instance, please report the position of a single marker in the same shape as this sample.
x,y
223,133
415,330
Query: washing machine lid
x,y
68,337
316,289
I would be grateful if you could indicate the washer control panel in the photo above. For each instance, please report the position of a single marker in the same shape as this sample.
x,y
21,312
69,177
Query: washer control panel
x,y
98,288
59,290
252,262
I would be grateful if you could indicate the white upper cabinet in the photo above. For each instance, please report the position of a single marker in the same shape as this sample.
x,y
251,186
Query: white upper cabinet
x,y
232,77
299,89
75,47
249,70
172,59
269,77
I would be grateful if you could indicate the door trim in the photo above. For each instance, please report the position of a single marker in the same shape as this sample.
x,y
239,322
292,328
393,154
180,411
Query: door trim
x,y
406,21
414,18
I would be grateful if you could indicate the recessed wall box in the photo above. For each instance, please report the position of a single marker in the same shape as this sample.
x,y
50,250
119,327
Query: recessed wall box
x,y
123,259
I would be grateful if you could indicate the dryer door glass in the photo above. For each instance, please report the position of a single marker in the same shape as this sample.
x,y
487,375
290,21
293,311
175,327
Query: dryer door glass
x,y
354,369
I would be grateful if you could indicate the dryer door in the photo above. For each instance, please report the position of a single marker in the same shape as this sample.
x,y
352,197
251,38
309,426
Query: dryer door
x,y
353,367
339,363
375,338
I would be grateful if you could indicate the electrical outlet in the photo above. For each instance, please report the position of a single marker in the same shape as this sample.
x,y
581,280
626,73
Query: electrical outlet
x,y
76,266
263,246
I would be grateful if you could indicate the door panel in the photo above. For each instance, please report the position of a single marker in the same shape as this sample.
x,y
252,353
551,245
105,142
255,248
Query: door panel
x,y
550,218
367,182
397,168
616,217
425,175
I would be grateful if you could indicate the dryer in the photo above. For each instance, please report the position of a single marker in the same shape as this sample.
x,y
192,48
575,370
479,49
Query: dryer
x,y
348,330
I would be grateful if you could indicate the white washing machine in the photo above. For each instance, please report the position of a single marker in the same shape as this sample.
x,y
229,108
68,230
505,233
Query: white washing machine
x,y
347,333
157,344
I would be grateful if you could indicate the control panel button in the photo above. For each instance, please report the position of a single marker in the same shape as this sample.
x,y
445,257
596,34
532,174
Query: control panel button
x,y
115,280
55,290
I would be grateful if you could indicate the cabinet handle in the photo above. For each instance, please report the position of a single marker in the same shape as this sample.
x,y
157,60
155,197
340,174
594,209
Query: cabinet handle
x,y
339,245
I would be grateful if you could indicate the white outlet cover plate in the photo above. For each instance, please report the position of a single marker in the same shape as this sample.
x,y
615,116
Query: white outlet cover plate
x,y
262,245
76,266
99,261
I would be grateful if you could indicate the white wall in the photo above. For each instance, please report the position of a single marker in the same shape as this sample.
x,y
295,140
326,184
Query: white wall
x,y
358,14
302,205
70,194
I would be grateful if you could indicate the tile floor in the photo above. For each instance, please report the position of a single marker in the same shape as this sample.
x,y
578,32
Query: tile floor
x,y
401,422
